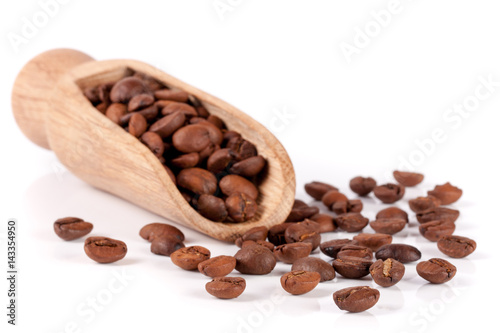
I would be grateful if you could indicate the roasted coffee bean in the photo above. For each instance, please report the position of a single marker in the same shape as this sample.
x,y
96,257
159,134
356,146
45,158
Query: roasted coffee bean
x,y
69,228
351,222
116,111
166,245
191,138
169,107
189,258
186,161
215,134
389,193
197,180
297,203
288,253
403,253
217,266
154,142
318,189
127,88
140,101
151,83
149,113
249,167
300,282
439,213
388,226
219,123
392,213
219,160
255,259
255,234
276,233
352,267
356,299
373,241
355,251
387,272
447,193
436,270
434,230
102,107
362,186
408,178
332,197
233,184
325,222
172,95
104,250
332,247
159,230
226,287
137,125
209,150
267,245
168,124
312,264
421,204
212,207
301,213
241,207
456,246
92,95
300,232
349,206
242,148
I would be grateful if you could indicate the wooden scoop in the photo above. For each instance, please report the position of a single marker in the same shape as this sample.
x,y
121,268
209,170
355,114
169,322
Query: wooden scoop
x,y
52,111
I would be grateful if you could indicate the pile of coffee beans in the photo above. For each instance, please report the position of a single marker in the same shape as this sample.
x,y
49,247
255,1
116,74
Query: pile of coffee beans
x,y
216,169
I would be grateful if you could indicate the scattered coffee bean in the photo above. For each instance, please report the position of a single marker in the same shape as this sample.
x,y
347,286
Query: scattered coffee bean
x,y
349,206
422,204
355,251
387,272
447,193
159,230
362,186
434,230
289,253
312,264
104,250
352,267
217,266
332,247
388,226
373,241
392,213
456,246
439,213
332,197
255,259
189,258
408,179
267,245
436,270
255,234
276,233
318,189
351,222
325,222
403,253
300,282
303,232
356,299
226,287
301,213
69,228
389,193
166,245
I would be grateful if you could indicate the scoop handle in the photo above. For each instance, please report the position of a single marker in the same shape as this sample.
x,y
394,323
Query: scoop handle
x,y
33,86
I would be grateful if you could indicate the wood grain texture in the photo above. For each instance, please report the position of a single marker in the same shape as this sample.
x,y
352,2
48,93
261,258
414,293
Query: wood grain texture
x,y
104,155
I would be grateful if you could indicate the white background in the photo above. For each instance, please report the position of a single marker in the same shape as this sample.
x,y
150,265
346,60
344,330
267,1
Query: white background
x,y
348,116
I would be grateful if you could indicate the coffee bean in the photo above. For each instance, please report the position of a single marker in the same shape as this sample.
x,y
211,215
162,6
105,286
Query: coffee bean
x,y
69,228
288,253
436,270
151,83
303,232
169,107
127,88
276,233
255,259
439,213
233,184
255,234
149,113
446,193
456,246
172,95
434,230
137,125
332,197
242,148
217,266
352,267
212,207
401,252
421,204
158,230
300,282
104,250
325,222
362,186
301,213
391,213
197,180
267,245
140,101
356,299
351,222
373,241
349,206
389,193
318,189
166,245
168,124
226,287
189,258
215,134
220,160
332,247
388,226
191,138
387,272
355,251
312,264
219,123
116,111
249,167
186,161
154,142
408,178
241,207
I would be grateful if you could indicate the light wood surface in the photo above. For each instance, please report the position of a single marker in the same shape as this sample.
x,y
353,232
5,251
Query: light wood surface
x,y
55,114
